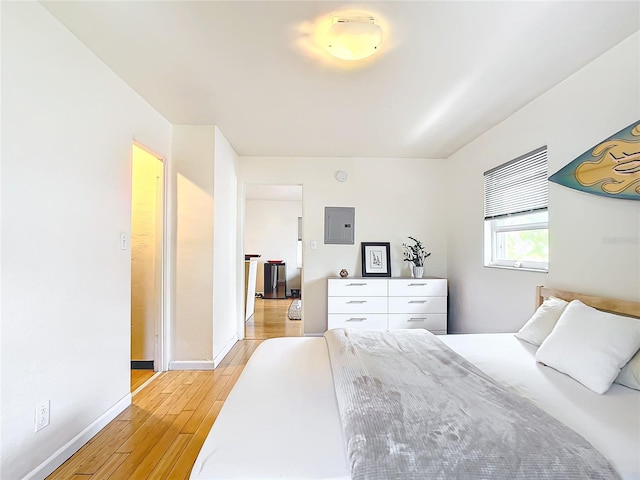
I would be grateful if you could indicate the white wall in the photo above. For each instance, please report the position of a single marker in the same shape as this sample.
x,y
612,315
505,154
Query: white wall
x,y
67,128
271,229
228,260
207,287
193,186
393,198
570,118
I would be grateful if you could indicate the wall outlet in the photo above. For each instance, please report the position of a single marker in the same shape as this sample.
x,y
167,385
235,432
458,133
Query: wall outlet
x,y
42,415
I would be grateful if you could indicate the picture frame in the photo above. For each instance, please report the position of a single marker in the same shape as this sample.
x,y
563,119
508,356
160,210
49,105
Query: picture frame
x,y
376,259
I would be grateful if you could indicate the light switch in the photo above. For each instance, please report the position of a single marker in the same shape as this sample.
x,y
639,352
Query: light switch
x,y
123,241
314,244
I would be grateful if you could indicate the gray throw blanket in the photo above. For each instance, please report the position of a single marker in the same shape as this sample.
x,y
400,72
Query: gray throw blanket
x,y
412,408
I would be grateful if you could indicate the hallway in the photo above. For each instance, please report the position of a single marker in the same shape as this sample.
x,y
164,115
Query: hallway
x,y
270,321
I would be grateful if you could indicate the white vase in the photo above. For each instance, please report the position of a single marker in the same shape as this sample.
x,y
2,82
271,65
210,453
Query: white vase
x,y
418,272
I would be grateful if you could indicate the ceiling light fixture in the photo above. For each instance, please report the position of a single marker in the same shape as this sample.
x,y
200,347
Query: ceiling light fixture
x,y
353,38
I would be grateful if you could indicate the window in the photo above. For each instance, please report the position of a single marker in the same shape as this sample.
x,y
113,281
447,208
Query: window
x,y
515,213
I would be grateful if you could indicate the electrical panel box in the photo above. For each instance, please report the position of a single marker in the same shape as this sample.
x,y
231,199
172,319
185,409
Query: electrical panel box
x,y
339,225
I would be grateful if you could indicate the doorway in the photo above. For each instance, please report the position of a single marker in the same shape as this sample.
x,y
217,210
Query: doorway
x,y
147,247
272,248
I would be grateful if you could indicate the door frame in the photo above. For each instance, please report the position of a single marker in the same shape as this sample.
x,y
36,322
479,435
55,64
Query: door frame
x,y
242,194
162,330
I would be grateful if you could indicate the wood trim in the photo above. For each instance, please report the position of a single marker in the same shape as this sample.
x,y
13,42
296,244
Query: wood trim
x,y
606,304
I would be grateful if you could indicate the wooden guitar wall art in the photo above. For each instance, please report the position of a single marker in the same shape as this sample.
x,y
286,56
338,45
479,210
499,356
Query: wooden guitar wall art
x,y
610,169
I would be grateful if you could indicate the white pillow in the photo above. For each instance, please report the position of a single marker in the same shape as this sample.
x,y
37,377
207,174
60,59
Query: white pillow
x,y
630,373
542,322
590,346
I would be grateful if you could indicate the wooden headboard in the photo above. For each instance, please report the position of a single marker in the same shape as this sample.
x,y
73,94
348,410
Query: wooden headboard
x,y
612,305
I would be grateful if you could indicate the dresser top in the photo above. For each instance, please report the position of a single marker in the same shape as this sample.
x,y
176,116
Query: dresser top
x,y
426,277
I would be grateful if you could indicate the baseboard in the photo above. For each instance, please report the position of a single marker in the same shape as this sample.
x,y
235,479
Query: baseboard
x,y
61,455
218,358
190,365
142,365
203,364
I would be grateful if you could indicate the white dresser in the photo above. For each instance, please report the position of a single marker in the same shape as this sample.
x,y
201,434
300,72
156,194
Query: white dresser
x,y
387,303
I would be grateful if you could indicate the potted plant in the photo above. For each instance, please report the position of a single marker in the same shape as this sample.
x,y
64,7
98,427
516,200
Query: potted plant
x,y
416,254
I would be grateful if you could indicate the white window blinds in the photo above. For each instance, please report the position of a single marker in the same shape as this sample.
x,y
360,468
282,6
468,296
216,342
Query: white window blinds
x,y
518,186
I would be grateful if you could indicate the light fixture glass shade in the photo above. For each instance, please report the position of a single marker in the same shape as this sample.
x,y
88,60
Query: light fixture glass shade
x,y
353,39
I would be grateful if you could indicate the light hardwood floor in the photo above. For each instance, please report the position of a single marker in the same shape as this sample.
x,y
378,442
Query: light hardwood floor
x,y
160,434
138,377
270,320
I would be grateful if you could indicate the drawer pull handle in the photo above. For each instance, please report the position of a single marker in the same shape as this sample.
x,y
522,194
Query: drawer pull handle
x,y
417,301
417,319
356,284
357,301
356,319
417,284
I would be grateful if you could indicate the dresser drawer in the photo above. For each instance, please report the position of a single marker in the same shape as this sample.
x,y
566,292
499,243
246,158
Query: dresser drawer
x,y
375,321
434,322
357,287
418,287
417,304
357,305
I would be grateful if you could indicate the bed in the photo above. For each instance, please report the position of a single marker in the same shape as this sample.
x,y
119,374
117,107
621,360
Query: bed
x,y
283,420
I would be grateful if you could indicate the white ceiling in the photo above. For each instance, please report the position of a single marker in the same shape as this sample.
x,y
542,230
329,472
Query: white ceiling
x,y
446,71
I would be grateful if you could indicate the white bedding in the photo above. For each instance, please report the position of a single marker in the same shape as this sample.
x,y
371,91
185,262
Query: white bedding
x,y
610,422
281,419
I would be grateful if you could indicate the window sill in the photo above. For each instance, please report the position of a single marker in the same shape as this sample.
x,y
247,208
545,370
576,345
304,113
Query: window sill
x,y
505,267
